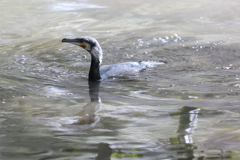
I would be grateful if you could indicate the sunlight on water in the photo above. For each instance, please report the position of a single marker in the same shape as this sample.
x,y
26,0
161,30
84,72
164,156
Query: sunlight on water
x,y
74,6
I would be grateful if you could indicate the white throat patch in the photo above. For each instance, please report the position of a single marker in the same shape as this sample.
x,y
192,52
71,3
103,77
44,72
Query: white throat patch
x,y
87,47
97,52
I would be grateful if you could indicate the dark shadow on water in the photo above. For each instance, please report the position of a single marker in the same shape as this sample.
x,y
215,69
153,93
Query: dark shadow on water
x,y
183,143
187,124
104,152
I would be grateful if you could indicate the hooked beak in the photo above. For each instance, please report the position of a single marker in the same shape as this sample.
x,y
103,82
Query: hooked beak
x,y
74,41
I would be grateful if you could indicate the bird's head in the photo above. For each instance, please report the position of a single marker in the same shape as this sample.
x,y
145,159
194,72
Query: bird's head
x,y
88,43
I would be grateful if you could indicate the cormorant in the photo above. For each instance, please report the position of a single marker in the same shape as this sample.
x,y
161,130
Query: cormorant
x,y
96,72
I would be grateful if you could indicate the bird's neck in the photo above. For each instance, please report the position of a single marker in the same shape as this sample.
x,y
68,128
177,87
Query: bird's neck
x,y
94,73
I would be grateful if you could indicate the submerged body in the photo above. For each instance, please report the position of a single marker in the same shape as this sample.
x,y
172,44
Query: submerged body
x,y
96,72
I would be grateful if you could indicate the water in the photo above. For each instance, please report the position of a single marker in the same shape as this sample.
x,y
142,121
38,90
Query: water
x,y
187,108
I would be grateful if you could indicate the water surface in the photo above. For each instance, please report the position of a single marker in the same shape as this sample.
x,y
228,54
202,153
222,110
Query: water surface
x,y
187,108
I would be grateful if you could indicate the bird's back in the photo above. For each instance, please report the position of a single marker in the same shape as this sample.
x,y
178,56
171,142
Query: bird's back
x,y
126,69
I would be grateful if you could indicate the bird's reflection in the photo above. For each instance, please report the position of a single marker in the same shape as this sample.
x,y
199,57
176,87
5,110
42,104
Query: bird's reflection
x,y
187,124
88,114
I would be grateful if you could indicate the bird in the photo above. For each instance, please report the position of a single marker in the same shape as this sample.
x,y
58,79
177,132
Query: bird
x,y
97,72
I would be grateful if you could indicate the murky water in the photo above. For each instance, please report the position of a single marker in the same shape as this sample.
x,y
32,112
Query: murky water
x,y
187,108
